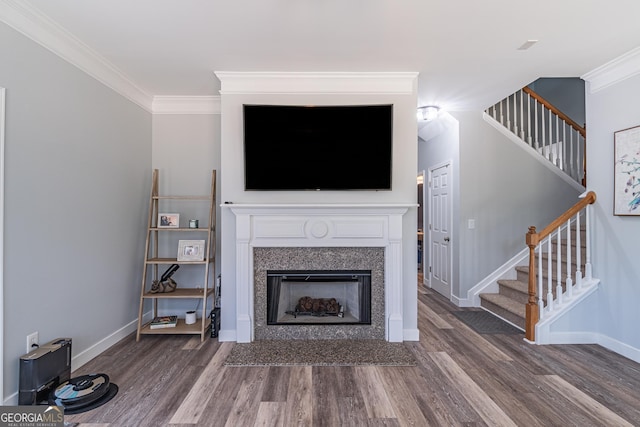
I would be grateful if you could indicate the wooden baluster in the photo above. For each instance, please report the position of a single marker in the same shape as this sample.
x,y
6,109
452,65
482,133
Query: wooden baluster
x,y
572,168
508,100
535,123
550,153
549,275
578,253
540,284
559,290
531,313
556,151
583,168
563,158
543,129
587,266
529,140
569,280
522,137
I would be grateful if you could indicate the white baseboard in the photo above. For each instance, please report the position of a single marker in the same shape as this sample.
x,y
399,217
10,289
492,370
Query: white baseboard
x,y
227,335
619,347
85,356
595,338
102,345
411,335
490,283
462,302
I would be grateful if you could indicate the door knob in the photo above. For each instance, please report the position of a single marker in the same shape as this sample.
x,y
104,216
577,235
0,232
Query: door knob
x,y
446,239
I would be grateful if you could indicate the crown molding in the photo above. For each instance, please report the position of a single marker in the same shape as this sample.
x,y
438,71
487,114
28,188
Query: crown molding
x,y
186,105
615,71
26,19
317,82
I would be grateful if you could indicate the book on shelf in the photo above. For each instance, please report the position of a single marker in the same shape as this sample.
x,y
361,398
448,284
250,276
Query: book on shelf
x,y
163,322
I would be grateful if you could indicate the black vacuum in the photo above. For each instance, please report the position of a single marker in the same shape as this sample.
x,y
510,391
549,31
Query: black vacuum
x,y
45,380
83,393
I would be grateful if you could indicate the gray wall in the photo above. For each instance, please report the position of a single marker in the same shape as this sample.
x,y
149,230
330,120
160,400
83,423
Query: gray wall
x,y
615,238
565,93
78,157
186,148
438,143
505,191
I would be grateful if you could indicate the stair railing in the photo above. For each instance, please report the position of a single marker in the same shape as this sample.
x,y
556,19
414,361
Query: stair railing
x,y
546,129
568,281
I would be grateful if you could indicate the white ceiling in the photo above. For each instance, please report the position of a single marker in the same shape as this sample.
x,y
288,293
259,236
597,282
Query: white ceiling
x,y
466,51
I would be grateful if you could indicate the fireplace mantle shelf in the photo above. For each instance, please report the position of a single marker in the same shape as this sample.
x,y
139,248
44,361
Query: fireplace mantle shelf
x,y
319,225
358,206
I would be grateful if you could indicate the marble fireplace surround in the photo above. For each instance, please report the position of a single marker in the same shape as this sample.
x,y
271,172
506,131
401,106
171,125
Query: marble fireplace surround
x,y
319,226
326,258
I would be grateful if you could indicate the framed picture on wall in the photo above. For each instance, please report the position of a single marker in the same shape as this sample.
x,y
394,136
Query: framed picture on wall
x,y
626,193
168,220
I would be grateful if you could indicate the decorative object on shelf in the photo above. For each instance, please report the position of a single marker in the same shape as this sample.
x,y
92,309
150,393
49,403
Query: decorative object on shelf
x,y
166,283
190,317
161,322
162,287
190,250
168,220
193,223
626,194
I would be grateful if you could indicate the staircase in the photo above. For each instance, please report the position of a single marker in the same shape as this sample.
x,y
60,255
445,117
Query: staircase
x,y
559,254
511,299
547,133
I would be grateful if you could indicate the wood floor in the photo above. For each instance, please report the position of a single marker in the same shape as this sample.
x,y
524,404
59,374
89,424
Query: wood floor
x,y
461,379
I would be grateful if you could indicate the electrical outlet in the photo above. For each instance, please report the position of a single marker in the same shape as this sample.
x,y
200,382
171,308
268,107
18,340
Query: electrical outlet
x,y
32,341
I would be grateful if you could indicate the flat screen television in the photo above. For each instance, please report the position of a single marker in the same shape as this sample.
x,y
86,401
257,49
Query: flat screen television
x,y
293,147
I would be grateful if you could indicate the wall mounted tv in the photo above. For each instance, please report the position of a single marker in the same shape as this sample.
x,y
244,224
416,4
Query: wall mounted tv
x,y
342,147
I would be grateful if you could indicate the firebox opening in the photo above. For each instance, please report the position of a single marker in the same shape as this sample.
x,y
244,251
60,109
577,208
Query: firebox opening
x,y
297,297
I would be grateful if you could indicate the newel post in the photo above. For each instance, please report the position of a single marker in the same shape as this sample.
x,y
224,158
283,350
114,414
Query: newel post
x,y
532,313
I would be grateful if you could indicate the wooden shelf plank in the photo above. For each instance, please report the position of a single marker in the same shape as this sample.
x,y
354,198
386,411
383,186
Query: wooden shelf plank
x,y
181,328
202,198
173,261
201,229
180,293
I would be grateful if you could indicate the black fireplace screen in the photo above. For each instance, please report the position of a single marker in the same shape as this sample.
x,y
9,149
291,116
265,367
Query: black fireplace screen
x,y
319,297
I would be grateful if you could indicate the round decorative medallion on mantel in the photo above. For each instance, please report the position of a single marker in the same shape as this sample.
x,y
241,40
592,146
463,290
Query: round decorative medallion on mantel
x,y
318,228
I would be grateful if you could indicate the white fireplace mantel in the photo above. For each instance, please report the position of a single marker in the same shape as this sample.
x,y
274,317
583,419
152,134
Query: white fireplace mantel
x,y
318,225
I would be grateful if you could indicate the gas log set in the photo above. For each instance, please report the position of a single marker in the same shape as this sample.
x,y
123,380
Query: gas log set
x,y
308,306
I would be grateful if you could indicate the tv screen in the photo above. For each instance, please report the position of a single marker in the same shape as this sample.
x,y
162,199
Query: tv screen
x,y
346,147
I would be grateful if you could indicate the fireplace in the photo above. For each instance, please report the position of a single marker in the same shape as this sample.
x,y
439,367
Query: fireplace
x,y
318,238
318,297
331,270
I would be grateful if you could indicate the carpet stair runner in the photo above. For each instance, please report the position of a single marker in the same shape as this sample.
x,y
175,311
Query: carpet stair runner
x,y
511,300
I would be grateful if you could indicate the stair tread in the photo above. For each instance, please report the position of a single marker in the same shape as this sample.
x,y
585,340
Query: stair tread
x,y
517,285
545,273
506,303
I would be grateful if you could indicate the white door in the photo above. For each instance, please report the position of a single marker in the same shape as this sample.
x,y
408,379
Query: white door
x,y
440,229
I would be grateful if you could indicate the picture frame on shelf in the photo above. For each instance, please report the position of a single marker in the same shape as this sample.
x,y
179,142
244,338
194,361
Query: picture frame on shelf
x,y
190,250
168,220
626,194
